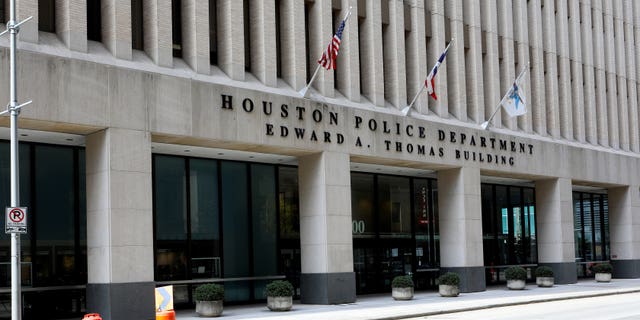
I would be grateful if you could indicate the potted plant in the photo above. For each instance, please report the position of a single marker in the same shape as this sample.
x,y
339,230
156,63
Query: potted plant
x,y
603,272
279,295
544,277
209,298
449,284
516,277
402,288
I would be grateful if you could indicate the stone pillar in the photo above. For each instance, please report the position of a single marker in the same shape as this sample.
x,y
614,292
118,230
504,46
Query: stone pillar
x,y
473,67
599,63
522,48
556,244
550,68
632,79
577,83
116,27
435,10
455,62
230,31
26,9
587,33
416,43
292,41
621,74
195,35
158,39
460,212
348,70
71,24
119,224
262,24
624,223
508,73
610,69
371,54
538,102
564,70
325,229
395,81
321,31
490,61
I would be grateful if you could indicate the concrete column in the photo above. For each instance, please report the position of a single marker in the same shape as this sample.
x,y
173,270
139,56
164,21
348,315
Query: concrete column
x,y
556,244
473,62
348,71
490,61
435,11
417,66
195,35
537,101
587,34
455,63
460,212
610,69
577,82
521,38
71,24
120,262
551,68
371,68
395,81
632,79
325,229
599,64
116,27
624,231
292,42
230,30
564,72
621,74
321,32
262,24
26,9
507,69
158,39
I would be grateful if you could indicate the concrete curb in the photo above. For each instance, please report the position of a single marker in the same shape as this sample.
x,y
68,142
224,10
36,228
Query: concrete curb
x,y
508,304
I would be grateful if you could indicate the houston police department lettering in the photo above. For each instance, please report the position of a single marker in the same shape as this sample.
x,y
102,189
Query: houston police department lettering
x,y
421,141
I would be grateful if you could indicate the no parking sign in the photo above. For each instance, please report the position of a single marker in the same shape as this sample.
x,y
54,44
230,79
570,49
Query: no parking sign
x,y
16,220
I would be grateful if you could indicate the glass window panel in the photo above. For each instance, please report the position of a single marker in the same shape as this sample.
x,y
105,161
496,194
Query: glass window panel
x,y
489,226
436,225
394,204
288,199
530,225
597,227
588,227
264,219
171,218
605,212
205,228
425,248
54,215
502,204
235,212
362,206
577,227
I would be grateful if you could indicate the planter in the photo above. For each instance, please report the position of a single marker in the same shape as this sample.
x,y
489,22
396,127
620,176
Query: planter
x,y
209,308
515,284
545,282
279,303
603,277
402,293
446,290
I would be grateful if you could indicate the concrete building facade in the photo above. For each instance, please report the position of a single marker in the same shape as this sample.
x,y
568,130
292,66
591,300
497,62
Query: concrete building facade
x,y
140,89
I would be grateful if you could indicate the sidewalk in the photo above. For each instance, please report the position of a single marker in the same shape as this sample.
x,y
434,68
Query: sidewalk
x,y
382,306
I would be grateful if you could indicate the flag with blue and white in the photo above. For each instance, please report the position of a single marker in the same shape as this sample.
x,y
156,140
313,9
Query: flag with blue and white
x,y
514,102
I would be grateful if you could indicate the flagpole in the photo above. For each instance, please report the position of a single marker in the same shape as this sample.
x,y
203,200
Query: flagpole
x,y
485,125
305,91
406,109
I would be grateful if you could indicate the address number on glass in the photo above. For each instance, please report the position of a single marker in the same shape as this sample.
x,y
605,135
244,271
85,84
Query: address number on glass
x,y
358,226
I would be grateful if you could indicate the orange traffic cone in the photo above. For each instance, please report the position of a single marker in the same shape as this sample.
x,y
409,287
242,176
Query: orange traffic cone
x,y
92,316
166,315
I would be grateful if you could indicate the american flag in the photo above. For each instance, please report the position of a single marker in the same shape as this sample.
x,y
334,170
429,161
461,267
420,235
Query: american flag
x,y
430,82
329,56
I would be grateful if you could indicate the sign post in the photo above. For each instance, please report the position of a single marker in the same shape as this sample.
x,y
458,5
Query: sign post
x,y
16,220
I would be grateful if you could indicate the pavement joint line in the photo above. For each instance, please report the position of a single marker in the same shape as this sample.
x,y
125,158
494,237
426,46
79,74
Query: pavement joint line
x,y
507,304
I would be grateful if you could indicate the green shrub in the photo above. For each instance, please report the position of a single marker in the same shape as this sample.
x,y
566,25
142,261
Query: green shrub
x,y
279,288
209,292
402,282
602,268
449,279
515,273
544,271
